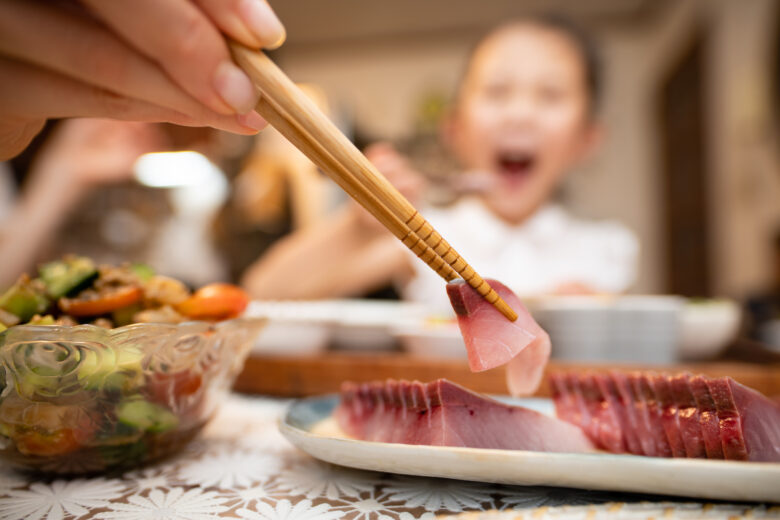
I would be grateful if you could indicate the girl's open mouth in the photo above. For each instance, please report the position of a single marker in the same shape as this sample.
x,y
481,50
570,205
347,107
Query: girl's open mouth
x,y
516,166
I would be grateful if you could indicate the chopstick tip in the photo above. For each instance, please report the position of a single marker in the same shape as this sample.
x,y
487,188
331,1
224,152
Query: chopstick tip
x,y
505,309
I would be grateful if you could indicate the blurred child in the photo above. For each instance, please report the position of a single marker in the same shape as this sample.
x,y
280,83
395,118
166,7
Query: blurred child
x,y
524,117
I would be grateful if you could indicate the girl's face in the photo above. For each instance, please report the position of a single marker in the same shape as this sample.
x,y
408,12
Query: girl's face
x,y
522,118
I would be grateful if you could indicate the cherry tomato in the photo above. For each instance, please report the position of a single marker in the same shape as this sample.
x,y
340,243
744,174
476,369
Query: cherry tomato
x,y
217,301
57,442
87,426
166,388
90,303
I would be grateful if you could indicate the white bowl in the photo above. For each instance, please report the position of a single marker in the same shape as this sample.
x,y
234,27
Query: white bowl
x,y
645,329
432,340
579,326
294,328
707,327
304,327
368,324
292,338
638,329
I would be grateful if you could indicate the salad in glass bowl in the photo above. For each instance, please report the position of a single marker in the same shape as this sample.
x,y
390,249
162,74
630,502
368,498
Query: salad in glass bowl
x,y
107,367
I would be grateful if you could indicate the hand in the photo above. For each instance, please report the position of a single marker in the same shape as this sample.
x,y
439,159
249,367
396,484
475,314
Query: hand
x,y
142,60
396,168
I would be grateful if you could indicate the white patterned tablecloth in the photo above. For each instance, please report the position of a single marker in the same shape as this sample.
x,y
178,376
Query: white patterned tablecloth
x,y
241,467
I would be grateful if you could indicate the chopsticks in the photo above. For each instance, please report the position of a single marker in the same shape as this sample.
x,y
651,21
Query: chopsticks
x,y
297,118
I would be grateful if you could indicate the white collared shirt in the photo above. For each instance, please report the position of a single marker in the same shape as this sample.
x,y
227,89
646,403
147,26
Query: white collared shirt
x,y
549,249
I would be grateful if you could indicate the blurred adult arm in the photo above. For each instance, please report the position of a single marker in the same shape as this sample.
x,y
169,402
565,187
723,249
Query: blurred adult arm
x,y
348,254
336,258
141,60
81,155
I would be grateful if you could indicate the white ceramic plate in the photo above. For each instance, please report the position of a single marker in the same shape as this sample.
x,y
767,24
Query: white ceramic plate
x,y
308,425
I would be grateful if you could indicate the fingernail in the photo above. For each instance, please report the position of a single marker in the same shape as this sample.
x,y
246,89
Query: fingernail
x,y
235,88
262,21
252,120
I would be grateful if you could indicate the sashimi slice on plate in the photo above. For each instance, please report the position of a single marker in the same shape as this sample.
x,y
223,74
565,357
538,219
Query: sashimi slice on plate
x,y
442,413
675,416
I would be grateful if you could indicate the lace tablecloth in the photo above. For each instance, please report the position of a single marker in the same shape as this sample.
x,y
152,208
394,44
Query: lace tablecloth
x,y
243,468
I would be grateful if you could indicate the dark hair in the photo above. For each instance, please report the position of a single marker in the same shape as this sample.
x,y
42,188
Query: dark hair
x,y
583,41
587,47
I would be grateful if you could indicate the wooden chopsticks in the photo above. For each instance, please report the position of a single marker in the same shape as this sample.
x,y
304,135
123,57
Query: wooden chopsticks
x,y
296,117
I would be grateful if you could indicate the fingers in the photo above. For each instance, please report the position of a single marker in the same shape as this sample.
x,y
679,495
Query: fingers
x,y
84,50
182,39
16,135
396,168
251,22
37,94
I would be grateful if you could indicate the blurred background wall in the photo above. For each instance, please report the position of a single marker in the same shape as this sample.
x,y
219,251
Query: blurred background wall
x,y
690,161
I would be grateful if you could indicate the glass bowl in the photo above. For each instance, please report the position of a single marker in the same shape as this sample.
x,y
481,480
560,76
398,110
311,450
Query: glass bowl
x,y
84,399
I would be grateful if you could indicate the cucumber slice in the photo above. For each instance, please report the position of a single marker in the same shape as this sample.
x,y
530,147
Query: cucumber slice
x,y
67,276
112,369
124,454
25,299
146,416
116,434
124,316
95,365
143,271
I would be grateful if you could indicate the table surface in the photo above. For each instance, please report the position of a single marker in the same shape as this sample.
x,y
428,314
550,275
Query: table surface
x,y
241,467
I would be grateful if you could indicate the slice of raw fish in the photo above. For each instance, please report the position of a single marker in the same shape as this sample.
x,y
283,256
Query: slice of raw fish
x,y
647,435
603,422
565,407
635,420
449,415
668,408
701,417
708,416
492,340
646,401
581,409
688,415
728,417
610,392
760,418
587,412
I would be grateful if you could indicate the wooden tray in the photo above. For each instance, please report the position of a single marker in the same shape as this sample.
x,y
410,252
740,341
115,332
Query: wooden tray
x,y
324,373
